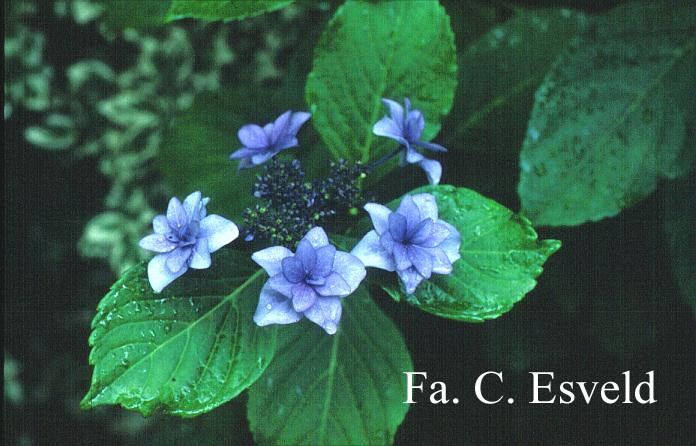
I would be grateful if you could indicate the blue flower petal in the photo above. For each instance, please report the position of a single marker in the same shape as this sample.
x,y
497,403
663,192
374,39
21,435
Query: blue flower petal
x,y
176,214
396,111
432,169
218,230
244,152
280,128
157,243
293,270
281,285
410,279
270,259
303,296
326,312
415,123
441,263
379,215
253,136
274,308
387,127
177,259
371,253
426,205
296,121
317,237
397,226
334,286
422,234
431,146
325,261
160,225
350,268
192,206
421,260
159,275
200,258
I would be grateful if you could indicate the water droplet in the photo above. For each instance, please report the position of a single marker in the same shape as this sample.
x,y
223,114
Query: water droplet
x,y
167,328
533,134
477,230
269,306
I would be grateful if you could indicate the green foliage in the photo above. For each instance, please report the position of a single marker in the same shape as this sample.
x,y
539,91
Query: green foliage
x,y
149,13
680,226
222,9
374,50
334,390
610,118
500,259
184,351
136,13
195,152
499,72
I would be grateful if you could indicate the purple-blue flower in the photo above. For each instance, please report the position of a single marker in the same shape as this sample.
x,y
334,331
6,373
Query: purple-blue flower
x,y
263,143
184,239
310,283
411,241
406,127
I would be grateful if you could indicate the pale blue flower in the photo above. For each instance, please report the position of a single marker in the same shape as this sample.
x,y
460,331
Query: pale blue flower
x,y
406,127
184,239
411,241
310,283
263,143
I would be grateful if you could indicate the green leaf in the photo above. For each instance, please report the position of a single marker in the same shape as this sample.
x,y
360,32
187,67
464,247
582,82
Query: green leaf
x,y
500,71
680,226
184,351
195,152
345,389
122,14
222,9
372,51
500,259
610,117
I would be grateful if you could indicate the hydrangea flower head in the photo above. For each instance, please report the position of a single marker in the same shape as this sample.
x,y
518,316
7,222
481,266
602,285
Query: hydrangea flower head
x,y
310,283
263,143
411,241
184,239
406,126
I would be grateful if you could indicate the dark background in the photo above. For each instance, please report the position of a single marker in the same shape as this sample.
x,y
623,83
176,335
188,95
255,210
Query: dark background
x,y
606,303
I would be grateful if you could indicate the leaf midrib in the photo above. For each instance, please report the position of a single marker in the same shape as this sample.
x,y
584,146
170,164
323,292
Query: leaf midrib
x,y
377,102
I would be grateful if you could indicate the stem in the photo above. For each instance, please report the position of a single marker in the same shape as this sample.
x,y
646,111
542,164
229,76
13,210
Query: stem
x,y
384,159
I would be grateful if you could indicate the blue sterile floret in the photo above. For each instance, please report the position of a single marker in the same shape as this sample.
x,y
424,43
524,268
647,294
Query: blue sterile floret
x,y
406,126
184,239
309,283
263,143
411,241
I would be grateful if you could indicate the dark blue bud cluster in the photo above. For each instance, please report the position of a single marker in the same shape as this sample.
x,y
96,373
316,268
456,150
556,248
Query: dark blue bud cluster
x,y
290,204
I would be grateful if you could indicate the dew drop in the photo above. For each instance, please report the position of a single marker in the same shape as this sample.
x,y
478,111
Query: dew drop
x,y
167,328
269,306
477,230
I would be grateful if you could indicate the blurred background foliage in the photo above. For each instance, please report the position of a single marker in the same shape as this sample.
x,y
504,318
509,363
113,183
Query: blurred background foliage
x,y
93,109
